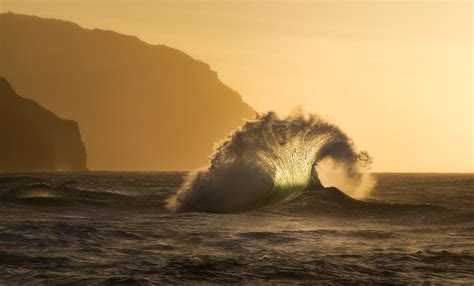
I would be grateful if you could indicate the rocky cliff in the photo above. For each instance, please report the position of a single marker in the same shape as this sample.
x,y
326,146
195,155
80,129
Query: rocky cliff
x,y
140,106
33,138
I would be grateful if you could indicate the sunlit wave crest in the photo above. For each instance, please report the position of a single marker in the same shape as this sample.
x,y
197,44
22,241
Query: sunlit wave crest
x,y
269,160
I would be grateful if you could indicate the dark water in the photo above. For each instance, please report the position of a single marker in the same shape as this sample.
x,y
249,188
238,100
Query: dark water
x,y
113,228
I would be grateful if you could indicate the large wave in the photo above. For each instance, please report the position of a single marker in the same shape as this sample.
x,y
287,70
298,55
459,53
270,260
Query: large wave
x,y
270,160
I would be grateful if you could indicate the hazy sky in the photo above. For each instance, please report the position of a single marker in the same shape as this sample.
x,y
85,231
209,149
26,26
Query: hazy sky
x,y
395,75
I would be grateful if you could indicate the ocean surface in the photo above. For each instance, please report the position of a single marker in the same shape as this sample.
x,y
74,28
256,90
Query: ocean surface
x,y
114,228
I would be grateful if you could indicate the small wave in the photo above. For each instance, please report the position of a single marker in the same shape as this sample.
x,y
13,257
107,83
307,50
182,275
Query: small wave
x,y
66,195
331,202
38,191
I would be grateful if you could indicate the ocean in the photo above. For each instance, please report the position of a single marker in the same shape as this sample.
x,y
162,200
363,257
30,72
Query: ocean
x,y
114,228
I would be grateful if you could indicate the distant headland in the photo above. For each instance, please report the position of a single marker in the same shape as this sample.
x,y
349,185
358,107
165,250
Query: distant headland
x,y
33,138
139,106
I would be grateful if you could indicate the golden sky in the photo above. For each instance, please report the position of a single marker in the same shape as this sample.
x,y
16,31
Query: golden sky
x,y
395,75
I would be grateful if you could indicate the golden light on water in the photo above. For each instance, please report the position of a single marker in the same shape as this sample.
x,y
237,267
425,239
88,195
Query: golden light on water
x,y
292,167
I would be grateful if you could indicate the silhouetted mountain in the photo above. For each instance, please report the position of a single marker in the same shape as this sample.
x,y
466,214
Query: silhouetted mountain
x,y
33,138
140,106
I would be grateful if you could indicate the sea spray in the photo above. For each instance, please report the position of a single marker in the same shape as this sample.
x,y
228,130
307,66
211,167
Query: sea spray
x,y
268,160
357,185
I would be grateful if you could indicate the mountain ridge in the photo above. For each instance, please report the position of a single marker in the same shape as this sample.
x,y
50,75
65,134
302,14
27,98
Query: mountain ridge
x,y
140,106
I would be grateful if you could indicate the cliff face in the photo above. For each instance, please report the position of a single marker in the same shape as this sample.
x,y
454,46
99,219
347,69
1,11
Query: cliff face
x,y
140,106
33,138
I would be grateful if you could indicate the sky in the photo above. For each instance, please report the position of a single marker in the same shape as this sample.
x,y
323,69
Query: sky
x,y
395,75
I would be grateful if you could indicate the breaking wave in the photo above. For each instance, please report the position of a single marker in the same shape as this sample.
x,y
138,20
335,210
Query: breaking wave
x,y
270,160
